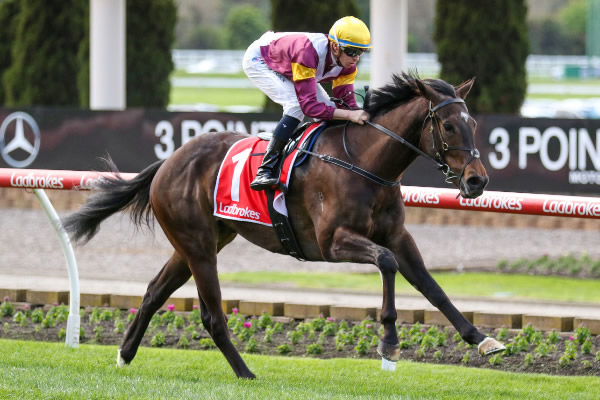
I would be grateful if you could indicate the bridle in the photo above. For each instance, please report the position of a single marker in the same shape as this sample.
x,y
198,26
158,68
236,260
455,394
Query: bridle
x,y
441,150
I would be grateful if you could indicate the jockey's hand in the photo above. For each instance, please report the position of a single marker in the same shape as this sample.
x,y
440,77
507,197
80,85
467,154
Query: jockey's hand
x,y
356,116
359,116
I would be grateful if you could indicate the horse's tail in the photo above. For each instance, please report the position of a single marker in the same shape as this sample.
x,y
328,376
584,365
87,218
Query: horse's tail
x,y
113,194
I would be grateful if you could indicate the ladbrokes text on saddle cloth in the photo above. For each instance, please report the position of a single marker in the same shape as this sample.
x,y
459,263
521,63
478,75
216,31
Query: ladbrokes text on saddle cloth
x,y
233,198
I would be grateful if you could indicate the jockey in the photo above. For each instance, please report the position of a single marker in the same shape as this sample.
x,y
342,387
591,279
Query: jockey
x,y
288,67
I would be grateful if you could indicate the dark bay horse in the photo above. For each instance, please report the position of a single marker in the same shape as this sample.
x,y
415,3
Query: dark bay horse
x,y
337,216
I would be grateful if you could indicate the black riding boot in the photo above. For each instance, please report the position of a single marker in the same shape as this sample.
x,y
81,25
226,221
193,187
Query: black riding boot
x,y
267,175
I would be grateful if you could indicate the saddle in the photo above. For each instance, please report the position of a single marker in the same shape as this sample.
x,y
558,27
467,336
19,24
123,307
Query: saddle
x,y
308,144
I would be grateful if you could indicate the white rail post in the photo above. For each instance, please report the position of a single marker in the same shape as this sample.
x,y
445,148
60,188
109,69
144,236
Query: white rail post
x,y
73,322
389,32
107,55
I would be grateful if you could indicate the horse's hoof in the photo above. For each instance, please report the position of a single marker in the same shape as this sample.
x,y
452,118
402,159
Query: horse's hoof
x,y
388,351
490,346
120,360
250,375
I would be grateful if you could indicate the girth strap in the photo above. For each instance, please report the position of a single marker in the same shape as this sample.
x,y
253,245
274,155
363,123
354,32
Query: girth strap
x,y
283,229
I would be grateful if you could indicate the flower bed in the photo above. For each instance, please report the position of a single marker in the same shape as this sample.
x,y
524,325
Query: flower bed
x,y
528,350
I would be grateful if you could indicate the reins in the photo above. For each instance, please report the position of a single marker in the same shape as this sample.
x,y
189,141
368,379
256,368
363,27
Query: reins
x,y
442,166
438,160
351,167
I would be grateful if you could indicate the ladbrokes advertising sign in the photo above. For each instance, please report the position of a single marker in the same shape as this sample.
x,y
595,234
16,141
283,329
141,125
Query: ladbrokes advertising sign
x,y
520,154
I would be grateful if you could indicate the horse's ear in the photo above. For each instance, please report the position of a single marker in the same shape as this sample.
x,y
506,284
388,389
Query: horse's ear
x,y
427,91
464,88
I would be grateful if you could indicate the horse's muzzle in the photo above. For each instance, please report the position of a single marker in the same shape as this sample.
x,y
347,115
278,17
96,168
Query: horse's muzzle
x,y
473,186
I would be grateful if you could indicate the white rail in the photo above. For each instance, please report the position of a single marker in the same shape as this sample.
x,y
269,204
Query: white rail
x,y
38,180
73,321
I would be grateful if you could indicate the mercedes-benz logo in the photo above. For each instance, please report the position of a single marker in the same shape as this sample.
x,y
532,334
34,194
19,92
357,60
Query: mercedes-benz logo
x,y
19,139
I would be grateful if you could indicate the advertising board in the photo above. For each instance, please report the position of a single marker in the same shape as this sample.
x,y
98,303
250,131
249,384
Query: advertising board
x,y
534,155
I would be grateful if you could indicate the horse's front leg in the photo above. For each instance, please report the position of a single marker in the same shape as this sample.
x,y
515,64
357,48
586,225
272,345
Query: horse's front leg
x,y
411,266
348,245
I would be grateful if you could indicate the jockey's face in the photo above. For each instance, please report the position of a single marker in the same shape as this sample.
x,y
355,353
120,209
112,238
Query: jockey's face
x,y
343,59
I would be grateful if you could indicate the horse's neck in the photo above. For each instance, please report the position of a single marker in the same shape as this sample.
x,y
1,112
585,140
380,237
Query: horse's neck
x,y
387,156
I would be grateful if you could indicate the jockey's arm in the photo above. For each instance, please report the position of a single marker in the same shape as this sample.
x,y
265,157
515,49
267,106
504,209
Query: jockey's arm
x,y
306,92
356,116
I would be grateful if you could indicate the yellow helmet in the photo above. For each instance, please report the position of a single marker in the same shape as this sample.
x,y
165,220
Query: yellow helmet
x,y
350,32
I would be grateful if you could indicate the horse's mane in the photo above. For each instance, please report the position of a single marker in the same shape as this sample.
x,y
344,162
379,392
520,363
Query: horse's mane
x,y
402,89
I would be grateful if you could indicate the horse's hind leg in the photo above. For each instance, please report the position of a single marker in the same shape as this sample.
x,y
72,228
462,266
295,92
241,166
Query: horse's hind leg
x,y
198,239
207,281
205,316
171,277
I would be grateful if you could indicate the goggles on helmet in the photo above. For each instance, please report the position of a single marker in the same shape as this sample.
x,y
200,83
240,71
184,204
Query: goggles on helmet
x,y
352,51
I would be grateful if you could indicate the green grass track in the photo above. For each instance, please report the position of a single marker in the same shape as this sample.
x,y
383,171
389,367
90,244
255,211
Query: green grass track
x,y
33,370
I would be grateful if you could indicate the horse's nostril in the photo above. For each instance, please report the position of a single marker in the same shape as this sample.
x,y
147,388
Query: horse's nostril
x,y
477,182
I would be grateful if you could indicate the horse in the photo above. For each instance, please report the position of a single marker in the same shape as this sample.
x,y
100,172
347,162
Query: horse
x,y
336,215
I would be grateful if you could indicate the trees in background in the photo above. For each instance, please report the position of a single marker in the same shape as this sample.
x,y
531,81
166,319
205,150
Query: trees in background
x,y
310,15
486,40
8,19
44,46
555,26
561,32
44,52
243,25
230,24
220,24
150,35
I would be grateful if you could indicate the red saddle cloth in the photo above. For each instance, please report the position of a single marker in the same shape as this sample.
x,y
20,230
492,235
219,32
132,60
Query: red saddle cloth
x,y
233,198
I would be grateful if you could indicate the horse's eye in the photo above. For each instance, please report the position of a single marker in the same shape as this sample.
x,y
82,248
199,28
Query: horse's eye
x,y
448,128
